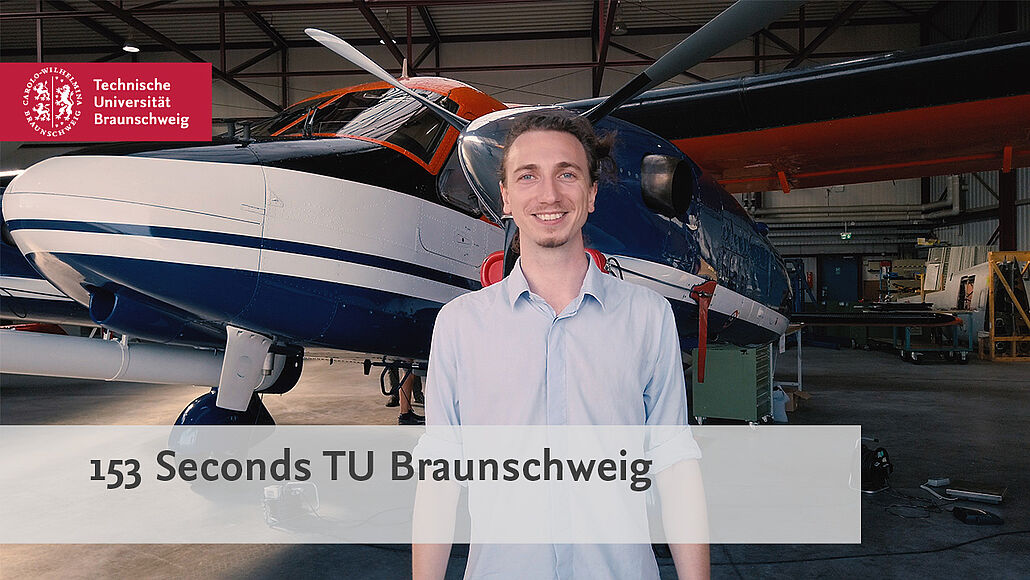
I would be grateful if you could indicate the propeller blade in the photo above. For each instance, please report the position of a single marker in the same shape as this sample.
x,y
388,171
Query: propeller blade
x,y
342,48
735,23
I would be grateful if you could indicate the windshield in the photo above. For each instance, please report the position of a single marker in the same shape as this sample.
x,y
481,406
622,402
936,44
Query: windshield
x,y
396,118
272,125
380,115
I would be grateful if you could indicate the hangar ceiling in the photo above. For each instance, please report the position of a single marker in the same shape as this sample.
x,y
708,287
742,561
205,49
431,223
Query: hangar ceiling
x,y
95,30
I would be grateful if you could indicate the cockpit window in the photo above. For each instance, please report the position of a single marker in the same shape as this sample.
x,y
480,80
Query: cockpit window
x,y
395,118
382,115
272,125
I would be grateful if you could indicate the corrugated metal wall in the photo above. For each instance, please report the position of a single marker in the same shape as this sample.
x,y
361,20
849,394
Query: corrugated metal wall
x,y
882,193
969,234
1023,190
980,190
1023,227
960,20
978,196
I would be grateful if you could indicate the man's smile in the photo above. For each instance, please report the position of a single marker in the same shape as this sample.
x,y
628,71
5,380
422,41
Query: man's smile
x,y
550,216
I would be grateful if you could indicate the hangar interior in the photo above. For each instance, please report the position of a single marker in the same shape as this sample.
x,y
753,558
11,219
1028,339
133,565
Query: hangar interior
x,y
849,242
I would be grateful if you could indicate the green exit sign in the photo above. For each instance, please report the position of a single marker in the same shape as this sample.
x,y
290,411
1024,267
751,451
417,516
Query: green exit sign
x,y
845,235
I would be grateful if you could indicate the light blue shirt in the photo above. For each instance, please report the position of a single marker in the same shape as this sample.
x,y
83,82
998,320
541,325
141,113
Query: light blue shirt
x,y
501,356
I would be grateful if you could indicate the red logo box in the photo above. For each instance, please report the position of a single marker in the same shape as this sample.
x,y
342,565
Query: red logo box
x,y
105,102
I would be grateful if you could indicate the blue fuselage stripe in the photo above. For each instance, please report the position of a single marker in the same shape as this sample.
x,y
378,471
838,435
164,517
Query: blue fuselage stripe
x,y
250,242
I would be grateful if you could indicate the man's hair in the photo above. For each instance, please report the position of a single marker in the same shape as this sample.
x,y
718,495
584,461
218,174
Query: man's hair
x,y
598,149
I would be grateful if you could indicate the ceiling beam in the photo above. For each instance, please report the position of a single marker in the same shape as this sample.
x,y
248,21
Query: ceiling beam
x,y
263,24
548,65
112,56
428,50
153,4
156,7
976,20
827,32
604,38
642,55
778,41
115,38
252,61
171,45
427,20
377,26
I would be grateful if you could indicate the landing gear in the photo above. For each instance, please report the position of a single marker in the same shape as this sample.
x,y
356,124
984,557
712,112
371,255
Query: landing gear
x,y
204,411
252,363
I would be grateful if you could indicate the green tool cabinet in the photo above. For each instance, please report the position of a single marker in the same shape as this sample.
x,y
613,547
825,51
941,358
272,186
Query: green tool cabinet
x,y
738,384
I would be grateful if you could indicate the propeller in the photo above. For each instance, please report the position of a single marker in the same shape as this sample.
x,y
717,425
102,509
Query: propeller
x,y
481,143
344,49
740,20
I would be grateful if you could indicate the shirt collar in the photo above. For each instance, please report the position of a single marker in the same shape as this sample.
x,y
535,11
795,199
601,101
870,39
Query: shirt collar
x,y
593,284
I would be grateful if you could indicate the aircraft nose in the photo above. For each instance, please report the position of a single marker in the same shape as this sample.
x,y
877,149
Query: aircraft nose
x,y
137,190
141,208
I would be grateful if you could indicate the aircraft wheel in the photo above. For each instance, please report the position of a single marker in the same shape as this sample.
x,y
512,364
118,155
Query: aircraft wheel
x,y
203,411
963,358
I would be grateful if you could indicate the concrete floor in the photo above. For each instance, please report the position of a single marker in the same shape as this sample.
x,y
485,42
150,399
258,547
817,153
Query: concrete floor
x,y
969,422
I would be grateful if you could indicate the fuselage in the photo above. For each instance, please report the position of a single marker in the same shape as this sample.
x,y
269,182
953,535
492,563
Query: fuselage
x,y
347,223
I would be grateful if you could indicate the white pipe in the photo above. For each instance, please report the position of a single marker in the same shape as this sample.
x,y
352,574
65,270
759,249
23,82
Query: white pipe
x,y
954,195
837,219
52,355
919,211
809,209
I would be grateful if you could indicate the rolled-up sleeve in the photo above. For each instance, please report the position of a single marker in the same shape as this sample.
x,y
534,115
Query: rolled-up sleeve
x,y
443,418
665,401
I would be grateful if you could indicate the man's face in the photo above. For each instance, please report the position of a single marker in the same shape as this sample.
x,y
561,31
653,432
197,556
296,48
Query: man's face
x,y
547,188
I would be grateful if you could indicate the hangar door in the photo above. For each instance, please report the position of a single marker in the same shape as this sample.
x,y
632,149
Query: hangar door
x,y
838,278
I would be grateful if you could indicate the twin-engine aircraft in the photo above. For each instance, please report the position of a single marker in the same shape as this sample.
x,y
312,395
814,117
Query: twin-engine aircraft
x,y
349,219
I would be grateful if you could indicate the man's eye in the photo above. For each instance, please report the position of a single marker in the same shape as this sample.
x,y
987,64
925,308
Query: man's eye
x,y
568,175
525,177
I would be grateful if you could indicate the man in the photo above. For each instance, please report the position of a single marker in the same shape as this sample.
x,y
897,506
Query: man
x,y
558,342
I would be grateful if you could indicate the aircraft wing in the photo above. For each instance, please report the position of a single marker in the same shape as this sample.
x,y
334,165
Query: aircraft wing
x,y
950,108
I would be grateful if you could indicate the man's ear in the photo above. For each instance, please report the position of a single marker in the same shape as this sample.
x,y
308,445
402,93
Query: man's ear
x,y
593,197
505,207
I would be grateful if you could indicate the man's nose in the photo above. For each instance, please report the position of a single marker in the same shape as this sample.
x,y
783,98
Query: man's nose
x,y
548,192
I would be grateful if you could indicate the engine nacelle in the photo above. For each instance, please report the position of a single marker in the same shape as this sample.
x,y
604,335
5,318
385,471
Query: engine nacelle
x,y
667,184
129,315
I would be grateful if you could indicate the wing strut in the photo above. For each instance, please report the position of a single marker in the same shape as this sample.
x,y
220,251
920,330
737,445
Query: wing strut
x,y
702,294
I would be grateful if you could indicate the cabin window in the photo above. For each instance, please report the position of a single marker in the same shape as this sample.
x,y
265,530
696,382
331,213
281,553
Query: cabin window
x,y
455,189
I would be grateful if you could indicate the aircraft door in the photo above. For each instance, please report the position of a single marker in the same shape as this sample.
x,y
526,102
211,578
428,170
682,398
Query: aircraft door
x,y
445,233
457,238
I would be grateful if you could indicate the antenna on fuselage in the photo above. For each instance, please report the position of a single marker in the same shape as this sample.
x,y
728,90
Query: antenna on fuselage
x,y
737,22
342,48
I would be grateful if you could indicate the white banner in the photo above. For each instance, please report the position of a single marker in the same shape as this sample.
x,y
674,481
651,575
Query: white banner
x,y
358,484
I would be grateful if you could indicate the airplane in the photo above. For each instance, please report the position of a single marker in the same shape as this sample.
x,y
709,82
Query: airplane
x,y
349,219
